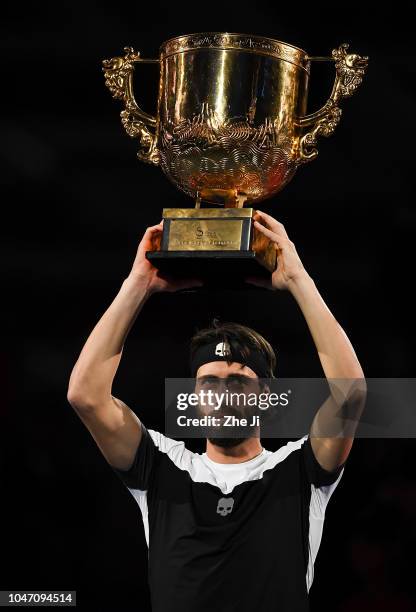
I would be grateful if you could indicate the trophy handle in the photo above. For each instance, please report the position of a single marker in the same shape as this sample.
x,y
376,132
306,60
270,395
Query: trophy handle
x,y
118,73
350,69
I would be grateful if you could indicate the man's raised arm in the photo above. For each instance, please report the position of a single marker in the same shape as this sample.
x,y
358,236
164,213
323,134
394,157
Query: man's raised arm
x,y
333,428
114,426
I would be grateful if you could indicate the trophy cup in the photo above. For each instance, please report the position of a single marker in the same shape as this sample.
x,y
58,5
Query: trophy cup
x,y
231,130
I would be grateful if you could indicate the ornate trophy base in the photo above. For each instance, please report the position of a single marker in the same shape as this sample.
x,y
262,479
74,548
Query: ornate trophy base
x,y
219,245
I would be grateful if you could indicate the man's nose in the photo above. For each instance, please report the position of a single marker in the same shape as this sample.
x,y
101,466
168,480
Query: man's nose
x,y
222,385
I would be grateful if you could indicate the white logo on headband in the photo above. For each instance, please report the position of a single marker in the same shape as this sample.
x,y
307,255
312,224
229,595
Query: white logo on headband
x,y
222,349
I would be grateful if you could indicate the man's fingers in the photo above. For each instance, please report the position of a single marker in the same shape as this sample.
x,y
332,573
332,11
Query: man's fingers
x,y
152,229
279,240
175,284
187,283
150,233
273,223
259,281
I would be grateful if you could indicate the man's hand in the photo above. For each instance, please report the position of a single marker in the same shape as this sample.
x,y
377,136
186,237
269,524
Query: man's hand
x,y
289,267
145,274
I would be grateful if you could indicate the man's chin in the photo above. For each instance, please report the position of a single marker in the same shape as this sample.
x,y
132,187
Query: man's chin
x,y
227,442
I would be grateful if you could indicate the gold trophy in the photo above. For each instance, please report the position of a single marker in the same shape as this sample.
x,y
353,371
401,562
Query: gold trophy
x,y
231,130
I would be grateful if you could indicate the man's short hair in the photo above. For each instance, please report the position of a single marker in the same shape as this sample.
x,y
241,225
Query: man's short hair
x,y
239,336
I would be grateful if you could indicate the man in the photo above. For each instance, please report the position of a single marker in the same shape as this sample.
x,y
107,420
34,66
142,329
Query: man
x,y
238,527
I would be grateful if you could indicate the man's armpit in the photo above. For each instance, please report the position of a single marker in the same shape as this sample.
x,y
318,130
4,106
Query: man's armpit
x,y
315,473
139,474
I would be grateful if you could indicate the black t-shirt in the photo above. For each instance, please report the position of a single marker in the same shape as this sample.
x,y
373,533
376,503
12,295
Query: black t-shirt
x,y
229,537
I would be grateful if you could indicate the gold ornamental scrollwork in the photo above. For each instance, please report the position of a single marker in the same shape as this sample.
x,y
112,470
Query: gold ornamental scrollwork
x,y
238,42
118,73
350,69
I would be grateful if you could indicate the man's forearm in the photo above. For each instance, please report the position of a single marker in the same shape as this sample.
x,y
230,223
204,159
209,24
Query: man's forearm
x,y
96,367
335,351
333,427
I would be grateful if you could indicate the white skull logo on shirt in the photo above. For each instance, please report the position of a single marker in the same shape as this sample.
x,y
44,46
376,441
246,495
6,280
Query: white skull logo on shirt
x,y
225,505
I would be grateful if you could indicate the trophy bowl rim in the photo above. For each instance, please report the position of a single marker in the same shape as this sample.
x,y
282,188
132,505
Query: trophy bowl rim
x,y
254,36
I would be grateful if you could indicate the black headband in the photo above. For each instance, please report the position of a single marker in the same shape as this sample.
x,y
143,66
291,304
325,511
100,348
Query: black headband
x,y
222,351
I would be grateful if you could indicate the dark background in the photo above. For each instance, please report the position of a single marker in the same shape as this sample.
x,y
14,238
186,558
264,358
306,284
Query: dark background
x,y
75,205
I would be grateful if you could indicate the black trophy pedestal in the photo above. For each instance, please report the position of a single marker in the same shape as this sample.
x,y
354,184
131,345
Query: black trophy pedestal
x,y
225,269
